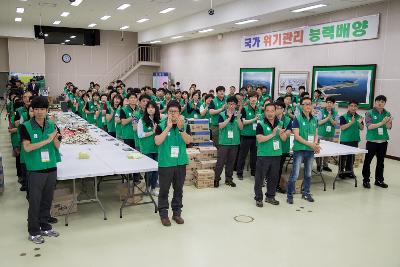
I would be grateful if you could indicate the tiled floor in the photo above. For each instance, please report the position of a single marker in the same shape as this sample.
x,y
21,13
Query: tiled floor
x,y
346,227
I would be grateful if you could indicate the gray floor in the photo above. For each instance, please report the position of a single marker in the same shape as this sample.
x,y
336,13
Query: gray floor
x,y
346,227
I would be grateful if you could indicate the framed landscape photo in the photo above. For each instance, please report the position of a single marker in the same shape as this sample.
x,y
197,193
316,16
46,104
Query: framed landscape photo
x,y
258,77
293,78
346,82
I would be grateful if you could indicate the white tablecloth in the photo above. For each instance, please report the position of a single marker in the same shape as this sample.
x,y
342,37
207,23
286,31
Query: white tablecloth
x,y
331,149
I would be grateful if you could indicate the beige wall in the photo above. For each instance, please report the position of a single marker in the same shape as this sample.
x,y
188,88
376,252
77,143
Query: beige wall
x,y
26,55
4,55
210,62
88,63
141,77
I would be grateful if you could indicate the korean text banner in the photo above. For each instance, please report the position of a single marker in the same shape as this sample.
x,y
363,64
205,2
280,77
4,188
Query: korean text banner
x,y
361,28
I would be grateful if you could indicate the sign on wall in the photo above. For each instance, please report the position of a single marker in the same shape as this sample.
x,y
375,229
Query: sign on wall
x,y
361,28
159,78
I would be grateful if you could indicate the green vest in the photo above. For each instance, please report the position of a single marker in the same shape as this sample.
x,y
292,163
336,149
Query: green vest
x,y
218,104
230,135
193,114
147,144
111,123
351,134
101,119
250,129
15,137
286,144
127,129
380,133
327,129
272,147
307,130
45,157
118,126
172,152
23,113
81,104
207,115
90,116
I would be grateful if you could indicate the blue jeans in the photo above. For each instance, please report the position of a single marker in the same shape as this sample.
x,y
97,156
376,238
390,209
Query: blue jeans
x,y
152,177
298,158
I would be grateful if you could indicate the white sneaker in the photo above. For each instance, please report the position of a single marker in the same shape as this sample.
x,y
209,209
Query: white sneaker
x,y
37,239
154,192
51,233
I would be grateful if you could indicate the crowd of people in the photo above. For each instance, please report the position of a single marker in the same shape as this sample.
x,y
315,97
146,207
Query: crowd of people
x,y
153,121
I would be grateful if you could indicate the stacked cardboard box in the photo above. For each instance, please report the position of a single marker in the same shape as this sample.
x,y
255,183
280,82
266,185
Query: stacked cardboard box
x,y
358,160
122,190
204,178
198,125
202,158
200,132
285,178
194,164
62,200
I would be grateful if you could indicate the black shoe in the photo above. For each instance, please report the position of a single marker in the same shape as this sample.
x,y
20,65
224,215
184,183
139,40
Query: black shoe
x,y
216,183
289,201
272,201
342,176
230,183
351,176
22,188
52,220
239,176
309,198
367,185
259,204
381,184
253,174
280,190
319,169
327,169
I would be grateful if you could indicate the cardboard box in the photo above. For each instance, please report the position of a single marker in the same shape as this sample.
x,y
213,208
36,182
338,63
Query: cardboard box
x,y
192,153
200,184
198,125
284,181
122,190
62,200
193,165
199,137
203,144
207,152
204,175
208,164
188,183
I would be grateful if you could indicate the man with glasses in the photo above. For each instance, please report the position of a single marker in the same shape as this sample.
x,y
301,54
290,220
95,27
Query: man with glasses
x,y
305,129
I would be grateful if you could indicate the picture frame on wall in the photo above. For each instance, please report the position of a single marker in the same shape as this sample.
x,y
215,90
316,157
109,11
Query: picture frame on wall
x,y
258,77
346,82
295,79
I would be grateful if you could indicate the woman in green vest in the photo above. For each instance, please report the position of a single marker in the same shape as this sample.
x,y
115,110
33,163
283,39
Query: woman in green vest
x,y
41,141
230,124
146,131
205,107
82,104
172,135
115,104
91,108
184,103
193,107
118,124
100,114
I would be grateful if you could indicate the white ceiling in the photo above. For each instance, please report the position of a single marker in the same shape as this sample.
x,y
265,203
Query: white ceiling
x,y
188,17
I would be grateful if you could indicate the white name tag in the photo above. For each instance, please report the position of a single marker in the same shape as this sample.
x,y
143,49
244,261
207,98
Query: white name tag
x,y
35,136
195,116
291,140
311,138
44,155
254,126
328,128
230,134
174,151
103,119
276,145
380,131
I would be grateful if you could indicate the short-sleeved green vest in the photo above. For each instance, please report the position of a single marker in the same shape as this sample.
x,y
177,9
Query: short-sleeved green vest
x,y
111,123
376,134
230,135
250,129
267,148
90,116
351,134
34,160
327,129
118,126
172,152
15,137
127,129
307,128
286,144
147,144
218,103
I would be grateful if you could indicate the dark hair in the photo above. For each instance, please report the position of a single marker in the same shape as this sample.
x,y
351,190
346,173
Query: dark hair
x,y
112,92
95,93
18,103
120,102
178,83
208,96
288,95
146,117
174,104
97,85
185,93
119,86
280,104
203,95
253,94
287,86
168,92
304,94
381,98
178,92
304,98
302,87
330,99
318,91
279,99
110,87
40,102
270,105
161,89
144,96
232,99
353,101
104,95
220,88
136,91
198,92
130,94
85,94
129,89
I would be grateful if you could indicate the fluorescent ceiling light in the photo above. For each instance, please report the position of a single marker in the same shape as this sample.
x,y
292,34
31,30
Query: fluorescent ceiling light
x,y
308,8
124,6
76,3
92,25
155,42
124,27
20,10
46,34
67,41
57,22
64,14
207,30
18,19
246,21
167,10
142,20
177,37
106,17
72,36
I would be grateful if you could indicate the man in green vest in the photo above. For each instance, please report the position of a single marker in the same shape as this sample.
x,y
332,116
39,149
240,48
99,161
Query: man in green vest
x,y
270,134
171,136
289,108
350,125
327,120
230,125
305,129
250,115
217,106
127,117
41,142
378,121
